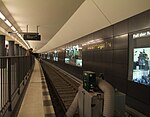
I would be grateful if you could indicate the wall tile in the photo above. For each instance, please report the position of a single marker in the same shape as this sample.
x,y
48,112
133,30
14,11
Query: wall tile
x,y
139,21
120,56
121,42
121,28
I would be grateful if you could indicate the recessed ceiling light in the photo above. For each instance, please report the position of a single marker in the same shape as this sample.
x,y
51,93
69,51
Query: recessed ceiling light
x,y
2,16
13,28
8,23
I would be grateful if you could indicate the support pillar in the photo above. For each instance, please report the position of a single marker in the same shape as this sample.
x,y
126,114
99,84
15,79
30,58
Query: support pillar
x,y
2,51
2,45
16,49
24,52
20,51
11,48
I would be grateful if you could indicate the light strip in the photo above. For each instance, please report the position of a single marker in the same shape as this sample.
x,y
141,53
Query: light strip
x,y
19,35
8,23
2,16
13,28
15,39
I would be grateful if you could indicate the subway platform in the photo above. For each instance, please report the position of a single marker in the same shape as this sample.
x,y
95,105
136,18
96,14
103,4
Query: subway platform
x,y
37,101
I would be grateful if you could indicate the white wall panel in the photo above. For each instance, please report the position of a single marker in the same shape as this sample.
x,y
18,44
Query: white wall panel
x,y
118,10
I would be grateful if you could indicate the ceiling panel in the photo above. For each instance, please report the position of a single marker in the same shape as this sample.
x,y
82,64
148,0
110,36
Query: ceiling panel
x,y
50,15
118,10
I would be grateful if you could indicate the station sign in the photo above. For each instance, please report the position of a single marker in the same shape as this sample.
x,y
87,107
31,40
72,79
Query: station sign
x,y
32,36
141,34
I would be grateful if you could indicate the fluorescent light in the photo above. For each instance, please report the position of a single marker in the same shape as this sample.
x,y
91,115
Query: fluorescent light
x,y
13,28
8,23
25,44
2,16
19,35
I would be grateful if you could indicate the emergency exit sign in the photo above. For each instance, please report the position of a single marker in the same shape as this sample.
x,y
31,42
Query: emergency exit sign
x,y
32,36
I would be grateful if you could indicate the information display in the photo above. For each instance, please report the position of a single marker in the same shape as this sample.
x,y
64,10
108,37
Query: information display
x,y
32,36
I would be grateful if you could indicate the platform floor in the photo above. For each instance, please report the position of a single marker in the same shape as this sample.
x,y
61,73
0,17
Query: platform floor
x,y
37,101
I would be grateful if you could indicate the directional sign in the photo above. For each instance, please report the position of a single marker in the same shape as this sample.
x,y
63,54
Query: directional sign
x,y
32,36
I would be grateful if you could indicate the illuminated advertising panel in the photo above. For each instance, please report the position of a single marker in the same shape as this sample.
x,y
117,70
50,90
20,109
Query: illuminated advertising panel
x,y
139,57
73,56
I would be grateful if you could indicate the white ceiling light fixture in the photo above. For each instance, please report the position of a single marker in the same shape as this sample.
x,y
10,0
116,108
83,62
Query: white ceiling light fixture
x,y
2,16
8,23
19,35
13,28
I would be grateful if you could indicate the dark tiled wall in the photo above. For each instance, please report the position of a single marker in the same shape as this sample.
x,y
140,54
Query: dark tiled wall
x,y
113,60
61,56
139,22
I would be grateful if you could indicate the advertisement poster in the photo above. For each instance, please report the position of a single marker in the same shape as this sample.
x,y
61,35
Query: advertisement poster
x,y
73,56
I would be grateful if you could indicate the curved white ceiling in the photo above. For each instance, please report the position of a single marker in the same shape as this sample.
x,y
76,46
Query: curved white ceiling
x,y
94,15
53,15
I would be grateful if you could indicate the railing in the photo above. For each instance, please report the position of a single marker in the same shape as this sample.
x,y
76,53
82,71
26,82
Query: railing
x,y
14,72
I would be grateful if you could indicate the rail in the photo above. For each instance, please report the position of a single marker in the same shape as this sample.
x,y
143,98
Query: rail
x,y
63,86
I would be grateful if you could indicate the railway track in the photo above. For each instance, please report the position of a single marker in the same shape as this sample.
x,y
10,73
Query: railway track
x,y
61,86
63,90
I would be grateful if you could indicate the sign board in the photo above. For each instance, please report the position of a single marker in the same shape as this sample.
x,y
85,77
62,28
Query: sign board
x,y
140,34
32,36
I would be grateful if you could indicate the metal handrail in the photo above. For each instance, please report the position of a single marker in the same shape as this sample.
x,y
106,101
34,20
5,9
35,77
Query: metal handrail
x,y
13,73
